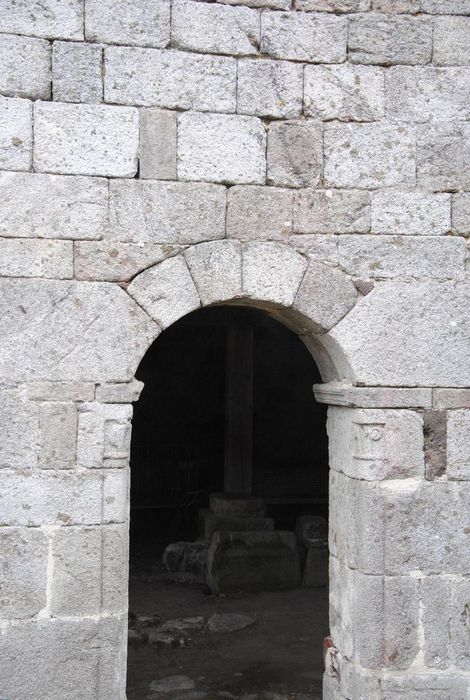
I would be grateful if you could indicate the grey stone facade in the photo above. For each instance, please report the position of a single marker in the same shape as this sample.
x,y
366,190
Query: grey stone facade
x,y
310,158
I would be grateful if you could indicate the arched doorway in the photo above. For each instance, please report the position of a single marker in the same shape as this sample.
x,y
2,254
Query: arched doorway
x,y
228,407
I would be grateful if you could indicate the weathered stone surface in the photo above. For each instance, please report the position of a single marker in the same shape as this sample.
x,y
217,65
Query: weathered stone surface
x,y
333,5
432,686
165,212
435,443
86,139
117,261
451,7
58,435
147,77
272,4
32,258
385,39
339,394
23,567
57,331
387,257
459,625
332,211
37,651
410,213
388,352
295,153
212,28
19,446
461,212
26,67
157,152
186,560
216,269
427,93
346,92
311,531
451,398
123,392
47,18
325,296
374,444
63,497
272,272
16,133
319,247
443,156
436,604
52,206
77,72
229,622
61,391
104,435
398,6
269,88
215,522
452,41
298,37
146,23
221,148
259,213
369,155
166,291
90,570
458,445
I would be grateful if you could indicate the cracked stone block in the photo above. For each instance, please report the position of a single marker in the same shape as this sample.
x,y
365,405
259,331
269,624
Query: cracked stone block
x,y
221,148
212,28
318,247
86,139
23,567
458,445
452,41
35,258
104,435
166,212
216,269
332,211
346,92
269,88
295,153
259,213
461,212
157,152
48,18
296,36
143,23
36,205
369,155
58,435
16,133
77,71
26,67
443,156
146,77
117,261
410,213
387,39
19,446
272,272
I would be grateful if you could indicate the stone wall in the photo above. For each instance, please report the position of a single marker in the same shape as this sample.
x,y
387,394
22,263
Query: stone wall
x,y
311,160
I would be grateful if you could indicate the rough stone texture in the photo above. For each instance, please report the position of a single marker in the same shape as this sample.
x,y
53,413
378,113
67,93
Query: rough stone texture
x,y
435,443
369,155
103,435
333,5
32,258
147,77
143,23
34,205
19,447
451,7
458,445
57,331
61,391
77,72
385,39
272,272
297,37
166,212
86,139
461,212
427,93
332,211
443,156
58,435
452,41
216,269
273,4
212,28
221,148
16,134
166,291
295,153
259,213
347,93
398,6
387,257
23,565
451,398
125,392
157,152
26,67
46,18
117,261
338,394
269,88
410,213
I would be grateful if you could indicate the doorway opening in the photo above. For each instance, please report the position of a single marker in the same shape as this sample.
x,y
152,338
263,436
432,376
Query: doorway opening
x,y
229,505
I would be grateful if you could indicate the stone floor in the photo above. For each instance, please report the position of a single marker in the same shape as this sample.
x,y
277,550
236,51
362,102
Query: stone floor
x,y
278,655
